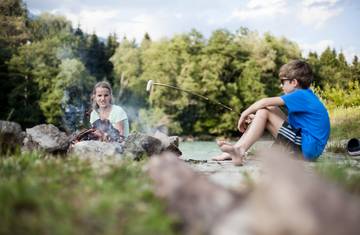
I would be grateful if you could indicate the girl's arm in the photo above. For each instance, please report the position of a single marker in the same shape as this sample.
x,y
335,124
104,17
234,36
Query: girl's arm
x,y
120,127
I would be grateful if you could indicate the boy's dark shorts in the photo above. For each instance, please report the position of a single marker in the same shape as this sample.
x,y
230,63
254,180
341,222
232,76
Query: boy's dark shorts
x,y
289,138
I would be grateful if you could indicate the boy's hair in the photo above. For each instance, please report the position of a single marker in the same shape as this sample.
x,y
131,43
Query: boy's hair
x,y
299,70
102,84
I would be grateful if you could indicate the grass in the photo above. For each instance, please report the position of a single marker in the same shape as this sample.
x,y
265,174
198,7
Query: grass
x,y
345,123
42,194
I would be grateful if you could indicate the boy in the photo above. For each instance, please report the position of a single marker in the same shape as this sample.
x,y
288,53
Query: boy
x,y
305,130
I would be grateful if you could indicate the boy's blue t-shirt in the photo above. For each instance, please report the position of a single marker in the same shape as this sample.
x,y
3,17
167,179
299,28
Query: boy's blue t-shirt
x,y
306,112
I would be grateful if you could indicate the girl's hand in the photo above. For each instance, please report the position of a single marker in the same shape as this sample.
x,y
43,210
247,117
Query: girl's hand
x,y
100,135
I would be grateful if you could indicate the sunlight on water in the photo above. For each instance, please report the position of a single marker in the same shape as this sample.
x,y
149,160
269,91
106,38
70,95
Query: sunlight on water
x,y
205,150
199,150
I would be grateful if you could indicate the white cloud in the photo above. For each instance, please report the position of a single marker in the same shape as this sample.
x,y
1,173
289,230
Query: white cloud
x,y
153,24
179,15
350,52
106,21
310,3
318,47
259,8
317,12
96,20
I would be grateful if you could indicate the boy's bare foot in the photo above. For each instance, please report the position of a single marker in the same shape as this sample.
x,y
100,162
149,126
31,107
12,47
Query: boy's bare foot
x,y
221,142
222,157
237,154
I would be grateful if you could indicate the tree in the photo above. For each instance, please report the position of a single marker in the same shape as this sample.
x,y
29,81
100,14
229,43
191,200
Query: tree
x,y
314,62
355,69
35,66
110,48
13,33
127,68
79,44
70,89
274,53
13,26
343,75
146,41
95,60
48,25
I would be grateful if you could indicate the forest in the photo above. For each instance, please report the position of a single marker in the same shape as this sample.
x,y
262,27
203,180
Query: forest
x,y
48,67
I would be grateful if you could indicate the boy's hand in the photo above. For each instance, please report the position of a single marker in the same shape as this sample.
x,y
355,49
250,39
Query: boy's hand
x,y
249,119
241,124
244,122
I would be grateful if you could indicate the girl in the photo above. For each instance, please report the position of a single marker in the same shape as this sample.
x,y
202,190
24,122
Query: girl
x,y
103,109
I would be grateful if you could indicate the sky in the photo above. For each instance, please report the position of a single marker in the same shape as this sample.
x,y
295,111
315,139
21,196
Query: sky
x,y
312,24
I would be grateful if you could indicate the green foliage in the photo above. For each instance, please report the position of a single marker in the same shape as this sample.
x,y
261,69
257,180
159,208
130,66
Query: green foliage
x,y
250,86
36,67
43,194
13,33
345,123
75,80
13,27
355,69
110,49
127,66
337,96
95,60
47,26
235,69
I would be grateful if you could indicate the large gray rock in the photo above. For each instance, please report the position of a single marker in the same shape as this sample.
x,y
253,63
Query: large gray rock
x,y
290,199
97,150
138,145
11,136
174,140
190,195
170,144
46,137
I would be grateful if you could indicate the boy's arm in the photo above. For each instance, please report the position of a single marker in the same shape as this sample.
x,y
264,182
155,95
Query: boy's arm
x,y
263,103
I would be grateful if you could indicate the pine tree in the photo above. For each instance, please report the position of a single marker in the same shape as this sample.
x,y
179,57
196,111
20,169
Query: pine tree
x,y
95,58
110,48
355,69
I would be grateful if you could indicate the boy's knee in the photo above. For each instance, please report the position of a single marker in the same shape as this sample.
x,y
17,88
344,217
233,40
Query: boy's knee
x,y
272,108
263,113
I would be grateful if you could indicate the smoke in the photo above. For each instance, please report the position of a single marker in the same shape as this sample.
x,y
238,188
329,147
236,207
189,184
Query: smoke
x,y
74,111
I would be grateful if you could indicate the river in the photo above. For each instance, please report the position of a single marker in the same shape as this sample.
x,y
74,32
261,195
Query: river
x,y
199,150
205,150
